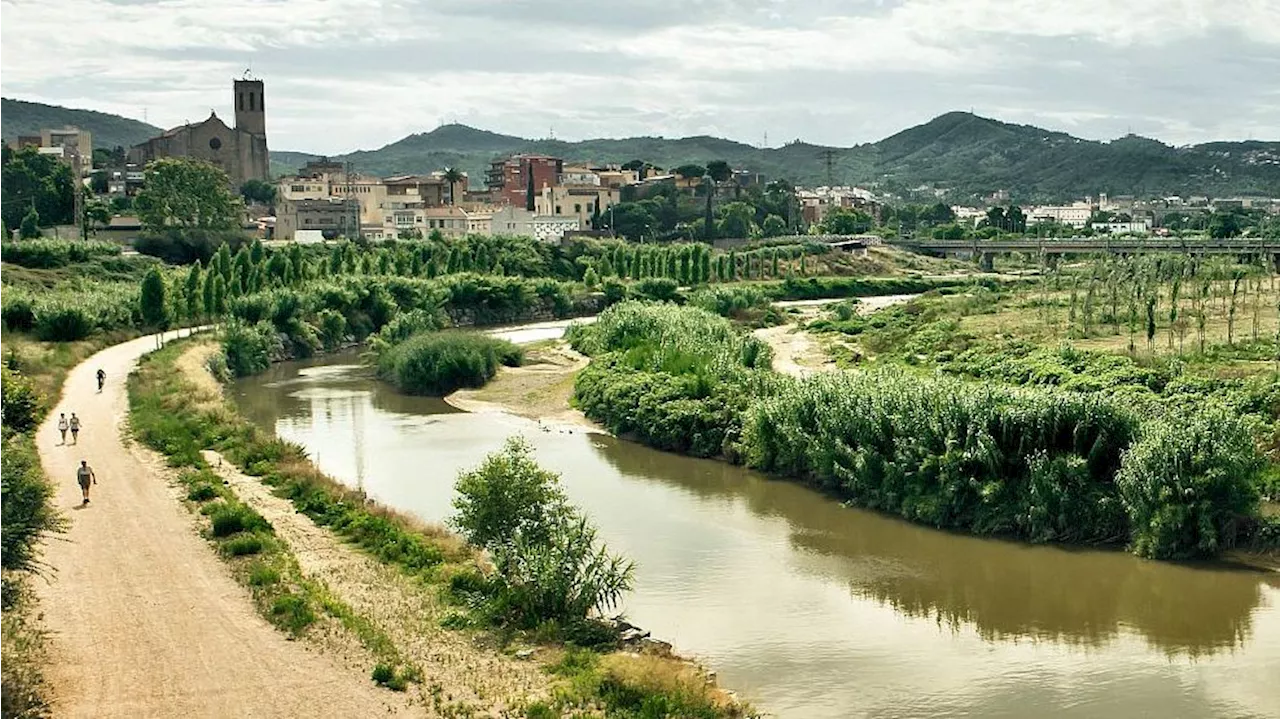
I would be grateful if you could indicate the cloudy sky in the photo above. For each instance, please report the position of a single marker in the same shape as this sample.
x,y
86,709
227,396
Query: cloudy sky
x,y
358,74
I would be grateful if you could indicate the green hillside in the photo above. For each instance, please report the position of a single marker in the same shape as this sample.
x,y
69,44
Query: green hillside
x,y
966,155
961,154
19,117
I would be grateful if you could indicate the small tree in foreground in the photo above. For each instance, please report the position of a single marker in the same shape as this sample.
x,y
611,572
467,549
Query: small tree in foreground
x,y
155,312
550,567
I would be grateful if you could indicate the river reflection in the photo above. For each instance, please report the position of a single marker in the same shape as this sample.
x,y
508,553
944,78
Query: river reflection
x,y
811,609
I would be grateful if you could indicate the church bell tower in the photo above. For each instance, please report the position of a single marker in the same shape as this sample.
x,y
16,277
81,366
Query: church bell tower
x,y
251,111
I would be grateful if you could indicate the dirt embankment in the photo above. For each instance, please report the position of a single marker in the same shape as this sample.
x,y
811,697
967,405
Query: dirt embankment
x,y
539,390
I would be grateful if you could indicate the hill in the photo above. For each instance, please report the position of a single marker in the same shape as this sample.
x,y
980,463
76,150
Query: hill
x,y
958,156
29,118
961,154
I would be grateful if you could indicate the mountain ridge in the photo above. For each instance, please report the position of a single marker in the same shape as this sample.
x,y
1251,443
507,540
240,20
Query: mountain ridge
x,y
961,155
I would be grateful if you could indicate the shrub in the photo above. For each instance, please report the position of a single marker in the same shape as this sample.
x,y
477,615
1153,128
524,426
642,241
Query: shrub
x,y
52,254
437,363
229,518
250,349
21,401
263,575
506,497
242,545
549,564
1187,482
659,289
28,515
291,613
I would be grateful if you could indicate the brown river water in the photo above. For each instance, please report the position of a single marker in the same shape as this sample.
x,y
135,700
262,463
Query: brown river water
x,y
811,609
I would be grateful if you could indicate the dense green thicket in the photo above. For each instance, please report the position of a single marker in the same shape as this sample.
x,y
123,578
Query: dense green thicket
x,y
29,518
1037,463
49,254
297,322
437,363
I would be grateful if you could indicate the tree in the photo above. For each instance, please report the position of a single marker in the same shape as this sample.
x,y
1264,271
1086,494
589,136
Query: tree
x,y
736,220
31,180
1224,224
192,290
96,211
255,190
773,226
453,176
719,170
155,313
98,182
844,221
30,227
996,218
187,194
690,171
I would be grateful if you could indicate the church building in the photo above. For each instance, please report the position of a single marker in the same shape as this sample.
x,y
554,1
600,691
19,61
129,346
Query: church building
x,y
240,151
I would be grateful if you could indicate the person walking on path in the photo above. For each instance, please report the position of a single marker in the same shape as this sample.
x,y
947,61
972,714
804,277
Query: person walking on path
x,y
85,475
62,426
102,377
75,429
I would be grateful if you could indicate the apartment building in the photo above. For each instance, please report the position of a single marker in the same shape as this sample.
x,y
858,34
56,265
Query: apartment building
x,y
1075,215
509,179
69,144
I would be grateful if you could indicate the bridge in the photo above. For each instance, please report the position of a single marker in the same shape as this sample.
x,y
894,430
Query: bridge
x,y
1051,248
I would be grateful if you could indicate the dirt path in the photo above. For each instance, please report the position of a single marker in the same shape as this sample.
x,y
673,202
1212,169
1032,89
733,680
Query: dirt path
x,y
458,676
145,620
795,351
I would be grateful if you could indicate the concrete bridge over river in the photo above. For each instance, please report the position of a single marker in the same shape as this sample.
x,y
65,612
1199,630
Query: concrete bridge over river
x,y
1053,248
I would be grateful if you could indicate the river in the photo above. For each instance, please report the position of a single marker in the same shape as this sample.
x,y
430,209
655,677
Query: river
x,y
814,610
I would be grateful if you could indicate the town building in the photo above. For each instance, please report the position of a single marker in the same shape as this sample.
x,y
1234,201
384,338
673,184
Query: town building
x,y
1136,227
240,151
331,217
511,179
1076,215
69,144
509,220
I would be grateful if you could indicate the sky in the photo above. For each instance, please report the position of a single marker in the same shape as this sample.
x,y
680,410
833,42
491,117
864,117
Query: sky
x,y
359,74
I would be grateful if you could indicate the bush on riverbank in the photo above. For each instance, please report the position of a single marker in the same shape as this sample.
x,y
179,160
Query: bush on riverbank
x,y
1040,464
549,565
437,363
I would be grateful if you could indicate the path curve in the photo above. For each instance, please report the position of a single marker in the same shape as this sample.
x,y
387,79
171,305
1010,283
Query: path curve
x,y
145,620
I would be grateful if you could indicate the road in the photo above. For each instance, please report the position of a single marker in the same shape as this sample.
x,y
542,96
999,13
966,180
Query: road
x,y
145,620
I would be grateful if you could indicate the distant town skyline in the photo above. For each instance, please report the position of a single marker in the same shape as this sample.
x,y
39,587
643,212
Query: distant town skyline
x,y
343,75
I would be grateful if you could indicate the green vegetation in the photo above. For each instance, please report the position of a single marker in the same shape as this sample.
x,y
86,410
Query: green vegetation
x,y
186,194
1037,463
437,363
557,574
169,416
964,153
549,566
35,190
29,519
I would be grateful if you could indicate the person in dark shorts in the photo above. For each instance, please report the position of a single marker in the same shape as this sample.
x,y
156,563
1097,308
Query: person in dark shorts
x,y
62,426
102,377
84,476
75,429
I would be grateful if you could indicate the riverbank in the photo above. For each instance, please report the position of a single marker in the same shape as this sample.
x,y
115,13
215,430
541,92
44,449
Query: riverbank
x,y
492,671
541,389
